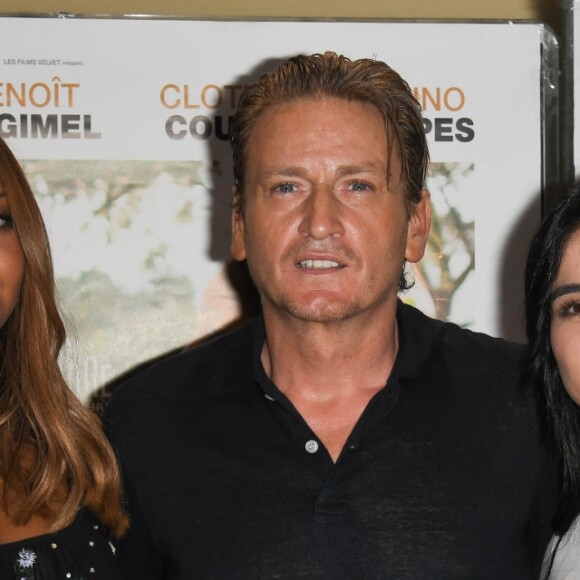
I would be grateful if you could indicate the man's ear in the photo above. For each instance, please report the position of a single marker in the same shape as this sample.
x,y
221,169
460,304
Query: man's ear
x,y
419,227
238,247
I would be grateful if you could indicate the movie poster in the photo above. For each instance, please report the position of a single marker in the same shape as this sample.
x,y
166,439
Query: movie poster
x,y
121,125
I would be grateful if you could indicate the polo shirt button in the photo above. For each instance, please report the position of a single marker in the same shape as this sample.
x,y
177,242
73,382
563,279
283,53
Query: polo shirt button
x,y
311,446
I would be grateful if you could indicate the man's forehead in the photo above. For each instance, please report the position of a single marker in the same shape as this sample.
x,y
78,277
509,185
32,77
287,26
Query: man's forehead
x,y
333,109
327,113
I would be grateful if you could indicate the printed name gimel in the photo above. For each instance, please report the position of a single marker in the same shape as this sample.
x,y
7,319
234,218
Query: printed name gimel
x,y
42,95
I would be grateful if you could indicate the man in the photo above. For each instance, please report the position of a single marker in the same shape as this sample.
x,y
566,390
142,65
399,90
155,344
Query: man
x,y
341,434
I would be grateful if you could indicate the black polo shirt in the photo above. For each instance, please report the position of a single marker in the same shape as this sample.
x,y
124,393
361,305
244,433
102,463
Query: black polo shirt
x,y
443,476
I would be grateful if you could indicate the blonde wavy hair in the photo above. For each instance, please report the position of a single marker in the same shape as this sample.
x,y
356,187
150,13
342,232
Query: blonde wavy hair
x,y
47,437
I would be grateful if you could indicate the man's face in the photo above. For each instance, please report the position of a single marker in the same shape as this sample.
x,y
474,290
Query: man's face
x,y
325,230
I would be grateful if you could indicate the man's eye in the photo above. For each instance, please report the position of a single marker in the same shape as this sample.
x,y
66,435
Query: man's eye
x,y
285,188
360,186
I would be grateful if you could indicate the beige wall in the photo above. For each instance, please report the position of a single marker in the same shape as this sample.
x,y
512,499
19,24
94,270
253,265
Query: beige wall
x,y
544,10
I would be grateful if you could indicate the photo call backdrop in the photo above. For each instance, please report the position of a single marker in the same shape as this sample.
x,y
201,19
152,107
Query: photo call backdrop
x,y
121,126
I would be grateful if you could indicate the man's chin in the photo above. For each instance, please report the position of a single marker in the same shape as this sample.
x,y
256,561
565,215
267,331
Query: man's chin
x,y
333,312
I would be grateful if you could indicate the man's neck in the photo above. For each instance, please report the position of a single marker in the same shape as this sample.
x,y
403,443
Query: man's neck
x,y
337,356
330,371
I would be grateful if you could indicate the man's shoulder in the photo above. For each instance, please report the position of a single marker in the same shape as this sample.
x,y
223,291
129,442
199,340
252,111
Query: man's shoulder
x,y
415,317
188,373
481,343
469,348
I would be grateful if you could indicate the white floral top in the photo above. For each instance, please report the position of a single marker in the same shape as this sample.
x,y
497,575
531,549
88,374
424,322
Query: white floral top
x,y
80,552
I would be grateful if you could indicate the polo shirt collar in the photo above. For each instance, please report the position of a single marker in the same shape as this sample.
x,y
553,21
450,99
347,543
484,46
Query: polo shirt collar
x,y
236,362
418,337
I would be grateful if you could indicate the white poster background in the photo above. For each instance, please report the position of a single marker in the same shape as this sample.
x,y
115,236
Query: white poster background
x,y
127,78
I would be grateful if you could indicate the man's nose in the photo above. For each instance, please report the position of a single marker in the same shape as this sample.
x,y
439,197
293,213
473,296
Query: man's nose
x,y
322,214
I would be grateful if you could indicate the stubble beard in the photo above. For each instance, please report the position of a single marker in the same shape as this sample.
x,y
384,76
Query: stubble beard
x,y
335,311
320,309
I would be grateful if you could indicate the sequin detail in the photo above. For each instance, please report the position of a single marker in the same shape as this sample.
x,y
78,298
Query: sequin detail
x,y
25,560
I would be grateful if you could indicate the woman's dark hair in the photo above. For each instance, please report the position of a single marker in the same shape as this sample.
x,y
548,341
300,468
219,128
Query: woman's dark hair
x,y
559,414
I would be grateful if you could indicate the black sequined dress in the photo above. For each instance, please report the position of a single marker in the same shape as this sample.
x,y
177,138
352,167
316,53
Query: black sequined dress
x,y
82,551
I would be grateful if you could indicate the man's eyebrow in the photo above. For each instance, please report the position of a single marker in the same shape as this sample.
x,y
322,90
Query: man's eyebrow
x,y
282,172
344,170
565,289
